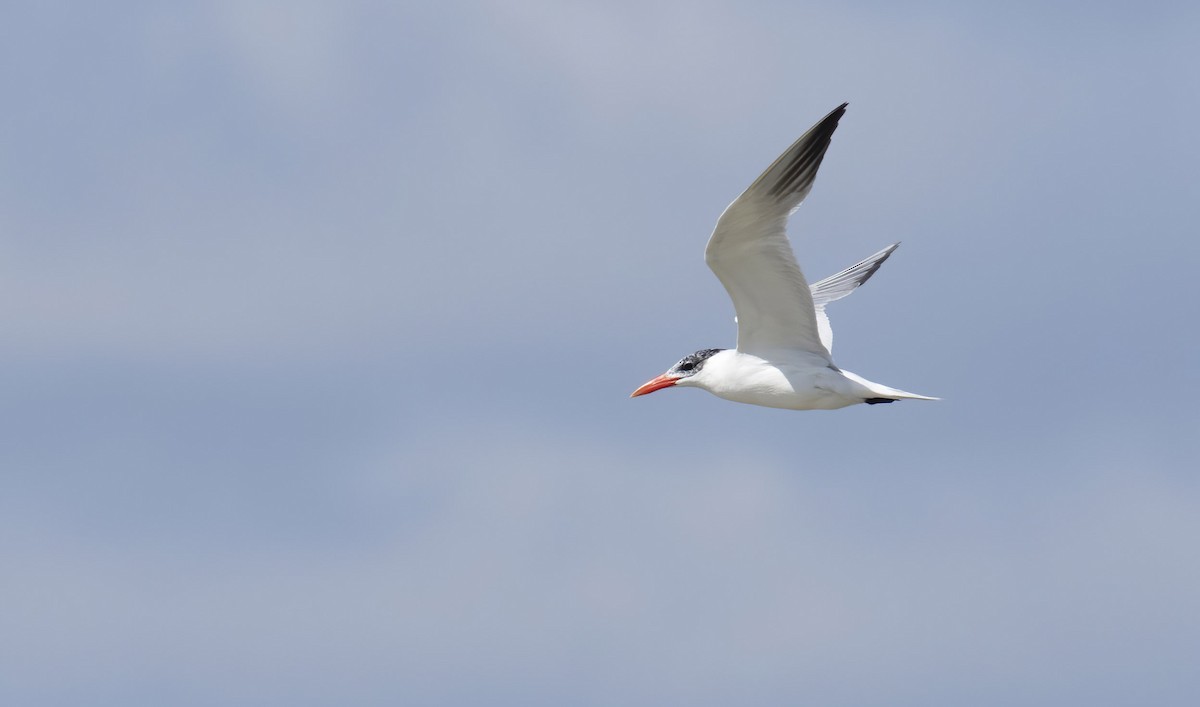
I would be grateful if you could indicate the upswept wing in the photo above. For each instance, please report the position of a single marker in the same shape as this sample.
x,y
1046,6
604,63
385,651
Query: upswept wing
x,y
841,284
750,254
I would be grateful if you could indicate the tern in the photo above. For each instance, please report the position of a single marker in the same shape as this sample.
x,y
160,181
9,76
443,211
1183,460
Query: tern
x,y
782,359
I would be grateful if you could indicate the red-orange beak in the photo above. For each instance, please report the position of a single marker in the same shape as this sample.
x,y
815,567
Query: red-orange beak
x,y
663,381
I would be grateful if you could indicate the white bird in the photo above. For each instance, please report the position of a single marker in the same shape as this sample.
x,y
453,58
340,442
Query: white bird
x,y
782,359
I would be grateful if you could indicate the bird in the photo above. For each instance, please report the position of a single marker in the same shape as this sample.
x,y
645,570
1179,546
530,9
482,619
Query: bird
x,y
782,358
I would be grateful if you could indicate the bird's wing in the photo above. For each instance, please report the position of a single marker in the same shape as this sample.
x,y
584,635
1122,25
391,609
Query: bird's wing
x,y
750,254
841,284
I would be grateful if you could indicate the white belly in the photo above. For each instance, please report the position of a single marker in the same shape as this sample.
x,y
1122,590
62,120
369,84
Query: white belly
x,y
812,398
803,385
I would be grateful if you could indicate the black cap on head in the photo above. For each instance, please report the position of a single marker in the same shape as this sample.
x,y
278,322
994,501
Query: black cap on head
x,y
693,362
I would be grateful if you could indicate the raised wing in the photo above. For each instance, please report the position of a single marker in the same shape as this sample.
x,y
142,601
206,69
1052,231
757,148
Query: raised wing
x,y
750,254
841,284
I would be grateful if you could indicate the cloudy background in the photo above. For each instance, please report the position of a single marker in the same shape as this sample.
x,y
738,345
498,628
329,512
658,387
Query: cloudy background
x,y
318,322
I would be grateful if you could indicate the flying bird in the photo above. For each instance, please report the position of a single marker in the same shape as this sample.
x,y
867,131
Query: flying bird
x,y
782,359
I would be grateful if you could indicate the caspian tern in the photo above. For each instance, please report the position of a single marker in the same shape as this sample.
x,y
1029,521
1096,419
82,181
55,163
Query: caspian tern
x,y
782,359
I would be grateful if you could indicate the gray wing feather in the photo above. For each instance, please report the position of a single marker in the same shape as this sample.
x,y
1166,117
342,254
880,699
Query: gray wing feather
x,y
790,177
841,284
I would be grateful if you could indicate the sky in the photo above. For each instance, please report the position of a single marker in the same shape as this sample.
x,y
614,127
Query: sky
x,y
320,321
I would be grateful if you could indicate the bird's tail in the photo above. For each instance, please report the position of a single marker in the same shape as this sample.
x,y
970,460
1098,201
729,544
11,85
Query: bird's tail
x,y
878,390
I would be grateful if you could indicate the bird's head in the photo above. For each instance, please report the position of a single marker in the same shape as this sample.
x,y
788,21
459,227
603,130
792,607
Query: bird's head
x,y
688,372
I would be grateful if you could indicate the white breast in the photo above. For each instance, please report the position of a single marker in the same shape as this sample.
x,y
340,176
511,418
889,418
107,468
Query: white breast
x,y
800,381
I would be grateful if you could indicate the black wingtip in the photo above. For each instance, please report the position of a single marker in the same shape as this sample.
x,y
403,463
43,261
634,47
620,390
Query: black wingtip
x,y
834,115
796,168
830,122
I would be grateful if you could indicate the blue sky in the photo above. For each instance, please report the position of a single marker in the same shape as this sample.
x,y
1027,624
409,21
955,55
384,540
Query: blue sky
x,y
320,321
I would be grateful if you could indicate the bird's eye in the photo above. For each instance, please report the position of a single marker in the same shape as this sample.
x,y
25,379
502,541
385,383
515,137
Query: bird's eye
x,y
687,366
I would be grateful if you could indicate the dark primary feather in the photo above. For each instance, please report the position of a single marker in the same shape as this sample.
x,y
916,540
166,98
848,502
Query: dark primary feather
x,y
793,173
